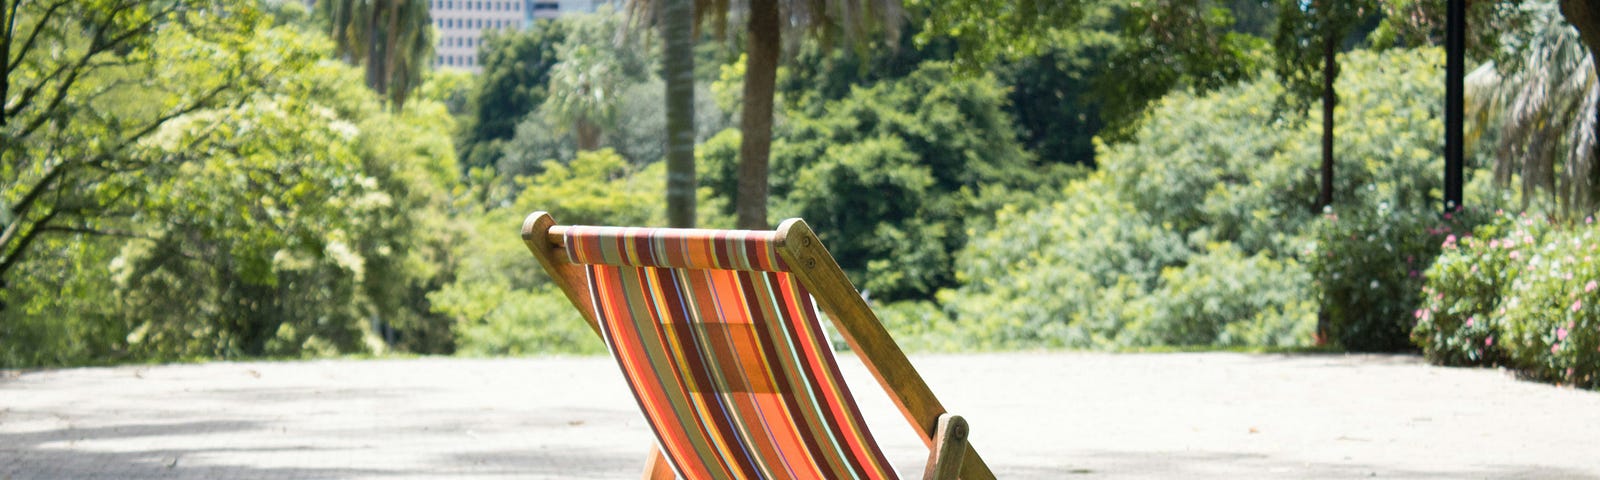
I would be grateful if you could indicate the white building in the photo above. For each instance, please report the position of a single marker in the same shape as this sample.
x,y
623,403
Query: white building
x,y
461,24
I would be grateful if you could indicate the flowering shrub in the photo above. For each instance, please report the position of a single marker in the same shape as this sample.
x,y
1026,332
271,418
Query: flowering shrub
x,y
1369,265
1461,303
1522,294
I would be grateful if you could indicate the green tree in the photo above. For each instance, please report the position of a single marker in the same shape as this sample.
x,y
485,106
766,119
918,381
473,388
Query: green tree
x,y
1419,23
1585,17
1184,236
894,175
594,64
514,83
584,88
766,20
393,39
989,30
85,82
283,221
1087,68
1541,98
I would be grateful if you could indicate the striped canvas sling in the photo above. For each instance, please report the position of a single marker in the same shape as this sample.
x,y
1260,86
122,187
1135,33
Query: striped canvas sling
x,y
725,354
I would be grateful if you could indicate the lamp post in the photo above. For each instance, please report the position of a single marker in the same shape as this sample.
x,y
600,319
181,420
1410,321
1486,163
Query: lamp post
x,y
1454,91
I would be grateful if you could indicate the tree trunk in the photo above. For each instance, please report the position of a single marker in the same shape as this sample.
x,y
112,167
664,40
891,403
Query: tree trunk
x,y
677,34
374,68
391,51
588,135
761,72
1330,99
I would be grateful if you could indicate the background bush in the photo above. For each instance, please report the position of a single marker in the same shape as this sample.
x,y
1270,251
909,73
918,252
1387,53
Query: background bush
x,y
1369,266
1196,230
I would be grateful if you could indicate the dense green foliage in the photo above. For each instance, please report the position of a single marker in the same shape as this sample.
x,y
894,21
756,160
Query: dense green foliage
x,y
516,72
1189,237
497,304
899,170
285,222
1519,292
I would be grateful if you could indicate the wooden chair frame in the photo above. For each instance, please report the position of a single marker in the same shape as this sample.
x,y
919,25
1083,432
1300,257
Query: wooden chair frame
x,y
811,264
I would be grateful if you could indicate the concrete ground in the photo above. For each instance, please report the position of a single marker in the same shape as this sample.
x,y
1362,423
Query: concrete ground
x,y
1034,416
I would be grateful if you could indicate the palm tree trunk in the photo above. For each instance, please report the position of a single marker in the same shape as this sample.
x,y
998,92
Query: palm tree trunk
x,y
588,135
761,72
391,50
375,78
1330,99
678,73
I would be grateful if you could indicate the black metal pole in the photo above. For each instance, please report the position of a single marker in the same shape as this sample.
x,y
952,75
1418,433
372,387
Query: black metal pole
x,y
1454,91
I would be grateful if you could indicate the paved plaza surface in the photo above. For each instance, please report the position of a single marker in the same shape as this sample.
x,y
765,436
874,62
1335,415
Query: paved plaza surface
x,y
1034,416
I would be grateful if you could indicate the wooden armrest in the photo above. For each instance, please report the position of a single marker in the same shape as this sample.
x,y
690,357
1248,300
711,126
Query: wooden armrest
x,y
949,446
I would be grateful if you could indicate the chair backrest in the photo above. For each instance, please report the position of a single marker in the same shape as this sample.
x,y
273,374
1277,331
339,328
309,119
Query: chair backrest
x,y
725,354
717,333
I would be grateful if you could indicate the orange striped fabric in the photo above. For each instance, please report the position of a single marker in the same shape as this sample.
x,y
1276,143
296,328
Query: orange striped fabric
x,y
725,354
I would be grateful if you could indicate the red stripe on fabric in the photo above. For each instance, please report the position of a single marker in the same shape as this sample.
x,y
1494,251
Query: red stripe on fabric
x,y
626,340
843,401
794,393
718,419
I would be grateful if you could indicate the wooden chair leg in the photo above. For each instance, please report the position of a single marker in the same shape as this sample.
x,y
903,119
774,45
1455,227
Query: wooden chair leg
x,y
656,466
949,445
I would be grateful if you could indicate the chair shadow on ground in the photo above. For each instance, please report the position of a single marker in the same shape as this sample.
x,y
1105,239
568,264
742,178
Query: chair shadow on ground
x,y
51,454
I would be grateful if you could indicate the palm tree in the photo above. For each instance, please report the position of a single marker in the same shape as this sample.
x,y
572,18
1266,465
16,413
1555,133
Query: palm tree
x,y
583,92
1543,101
393,39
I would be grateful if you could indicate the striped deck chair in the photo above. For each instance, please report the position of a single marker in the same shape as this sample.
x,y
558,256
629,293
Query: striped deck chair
x,y
718,336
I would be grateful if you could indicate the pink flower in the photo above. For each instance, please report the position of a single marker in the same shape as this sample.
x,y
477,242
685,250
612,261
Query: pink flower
x,y
1494,244
1417,313
1589,287
1577,305
1446,216
1561,334
1588,219
1489,342
1555,348
1413,274
1514,255
1469,322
